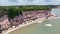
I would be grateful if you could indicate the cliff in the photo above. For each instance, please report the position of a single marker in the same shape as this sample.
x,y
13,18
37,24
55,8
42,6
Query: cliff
x,y
26,16
30,15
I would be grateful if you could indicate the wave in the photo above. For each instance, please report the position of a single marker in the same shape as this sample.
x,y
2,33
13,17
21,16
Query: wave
x,y
53,17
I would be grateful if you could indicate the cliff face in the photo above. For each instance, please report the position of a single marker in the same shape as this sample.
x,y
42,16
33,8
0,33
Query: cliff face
x,y
30,15
27,16
5,24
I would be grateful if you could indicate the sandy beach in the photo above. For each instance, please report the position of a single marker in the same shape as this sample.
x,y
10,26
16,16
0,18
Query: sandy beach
x,y
40,20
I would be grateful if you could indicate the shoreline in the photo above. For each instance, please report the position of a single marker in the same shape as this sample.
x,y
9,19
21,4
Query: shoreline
x,y
53,17
40,20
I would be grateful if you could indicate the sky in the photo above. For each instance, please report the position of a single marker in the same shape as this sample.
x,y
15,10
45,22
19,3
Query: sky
x,y
28,2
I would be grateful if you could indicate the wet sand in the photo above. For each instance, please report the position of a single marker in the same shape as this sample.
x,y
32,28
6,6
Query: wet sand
x,y
40,28
28,23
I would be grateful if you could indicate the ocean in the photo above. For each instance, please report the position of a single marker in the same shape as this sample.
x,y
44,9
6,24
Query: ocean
x,y
50,26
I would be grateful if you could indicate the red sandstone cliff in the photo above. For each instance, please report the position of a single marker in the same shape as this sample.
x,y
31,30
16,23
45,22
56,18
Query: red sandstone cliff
x,y
27,16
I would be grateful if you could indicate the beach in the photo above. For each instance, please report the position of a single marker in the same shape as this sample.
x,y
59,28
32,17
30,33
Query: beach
x,y
40,28
40,20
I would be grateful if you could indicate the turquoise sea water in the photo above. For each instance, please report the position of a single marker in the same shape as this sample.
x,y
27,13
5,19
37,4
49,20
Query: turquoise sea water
x,y
41,28
56,11
38,28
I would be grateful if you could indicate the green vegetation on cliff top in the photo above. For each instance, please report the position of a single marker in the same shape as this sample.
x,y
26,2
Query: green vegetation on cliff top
x,y
16,10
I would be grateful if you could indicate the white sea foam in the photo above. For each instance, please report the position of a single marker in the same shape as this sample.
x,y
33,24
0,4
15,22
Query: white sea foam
x,y
50,25
53,17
